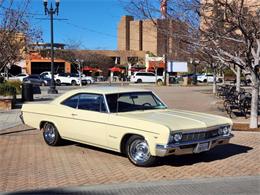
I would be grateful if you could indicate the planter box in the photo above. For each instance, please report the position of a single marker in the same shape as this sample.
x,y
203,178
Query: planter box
x,y
7,103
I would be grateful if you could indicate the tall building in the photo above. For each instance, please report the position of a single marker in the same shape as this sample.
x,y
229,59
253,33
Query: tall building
x,y
158,36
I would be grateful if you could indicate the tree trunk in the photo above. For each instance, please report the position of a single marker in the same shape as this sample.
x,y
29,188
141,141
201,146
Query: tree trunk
x,y
238,79
254,102
214,81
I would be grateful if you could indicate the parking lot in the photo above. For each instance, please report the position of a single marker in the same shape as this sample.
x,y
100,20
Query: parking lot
x,y
26,162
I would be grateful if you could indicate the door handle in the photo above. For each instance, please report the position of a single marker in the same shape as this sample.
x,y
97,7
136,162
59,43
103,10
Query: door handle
x,y
74,115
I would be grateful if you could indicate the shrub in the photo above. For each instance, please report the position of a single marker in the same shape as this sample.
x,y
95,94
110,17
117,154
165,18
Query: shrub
x,y
17,84
2,79
6,89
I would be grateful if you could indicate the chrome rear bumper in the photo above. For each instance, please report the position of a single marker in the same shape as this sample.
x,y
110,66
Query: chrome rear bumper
x,y
190,147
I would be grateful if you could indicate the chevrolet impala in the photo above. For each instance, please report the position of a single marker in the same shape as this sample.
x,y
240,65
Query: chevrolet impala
x,y
135,122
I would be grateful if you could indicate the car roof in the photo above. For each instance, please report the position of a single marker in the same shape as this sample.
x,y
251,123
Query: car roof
x,y
100,90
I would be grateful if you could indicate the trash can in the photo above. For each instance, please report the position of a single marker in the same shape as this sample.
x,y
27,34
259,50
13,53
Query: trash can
x,y
27,92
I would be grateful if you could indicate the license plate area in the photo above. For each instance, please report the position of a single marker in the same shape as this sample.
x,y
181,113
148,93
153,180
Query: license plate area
x,y
201,147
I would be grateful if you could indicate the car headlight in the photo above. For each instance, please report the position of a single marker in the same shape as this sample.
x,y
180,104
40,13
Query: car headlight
x,y
176,137
225,131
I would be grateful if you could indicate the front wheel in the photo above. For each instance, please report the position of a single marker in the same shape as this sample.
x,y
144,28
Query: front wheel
x,y
137,150
51,135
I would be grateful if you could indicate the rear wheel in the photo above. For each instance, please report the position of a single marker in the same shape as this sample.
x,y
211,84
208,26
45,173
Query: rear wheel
x,y
51,135
58,82
88,82
159,82
73,83
137,150
139,80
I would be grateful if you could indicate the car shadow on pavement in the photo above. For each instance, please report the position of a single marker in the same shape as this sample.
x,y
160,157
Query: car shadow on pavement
x,y
18,131
97,149
218,153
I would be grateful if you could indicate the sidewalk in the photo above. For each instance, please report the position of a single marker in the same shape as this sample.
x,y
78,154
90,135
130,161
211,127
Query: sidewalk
x,y
9,119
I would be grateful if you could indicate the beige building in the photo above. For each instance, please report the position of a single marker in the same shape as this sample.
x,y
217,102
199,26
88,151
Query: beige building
x,y
158,36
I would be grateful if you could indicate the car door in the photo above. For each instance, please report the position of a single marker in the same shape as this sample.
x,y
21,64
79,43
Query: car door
x,y
91,119
151,77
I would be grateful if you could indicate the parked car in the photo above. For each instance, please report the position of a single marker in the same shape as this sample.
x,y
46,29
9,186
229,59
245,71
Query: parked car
x,y
65,78
19,77
146,77
207,77
36,79
46,80
6,75
131,121
84,79
46,74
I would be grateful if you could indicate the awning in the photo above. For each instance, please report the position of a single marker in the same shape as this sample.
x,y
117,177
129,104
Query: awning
x,y
91,69
115,69
158,64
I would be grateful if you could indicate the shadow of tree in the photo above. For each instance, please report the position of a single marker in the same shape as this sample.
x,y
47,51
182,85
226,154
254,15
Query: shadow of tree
x,y
60,191
217,153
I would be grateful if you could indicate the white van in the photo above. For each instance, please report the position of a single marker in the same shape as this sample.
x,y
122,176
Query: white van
x,y
146,77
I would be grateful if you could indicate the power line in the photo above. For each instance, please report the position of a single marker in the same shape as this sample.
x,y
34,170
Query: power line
x,y
105,34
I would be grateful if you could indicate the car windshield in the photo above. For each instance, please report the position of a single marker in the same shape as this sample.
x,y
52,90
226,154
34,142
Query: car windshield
x,y
127,102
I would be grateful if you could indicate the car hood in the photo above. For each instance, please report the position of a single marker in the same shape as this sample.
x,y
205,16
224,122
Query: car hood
x,y
180,119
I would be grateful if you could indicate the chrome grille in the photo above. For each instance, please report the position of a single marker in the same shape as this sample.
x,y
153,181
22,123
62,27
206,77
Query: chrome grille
x,y
197,136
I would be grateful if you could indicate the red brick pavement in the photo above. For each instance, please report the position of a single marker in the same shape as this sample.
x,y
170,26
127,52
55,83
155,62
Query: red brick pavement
x,y
26,162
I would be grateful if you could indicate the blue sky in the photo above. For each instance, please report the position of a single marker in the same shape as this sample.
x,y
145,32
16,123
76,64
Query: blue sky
x,y
93,23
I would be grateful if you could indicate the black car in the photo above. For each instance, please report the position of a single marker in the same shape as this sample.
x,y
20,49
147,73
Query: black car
x,y
37,80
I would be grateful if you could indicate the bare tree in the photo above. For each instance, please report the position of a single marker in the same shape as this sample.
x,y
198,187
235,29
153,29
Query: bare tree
x,y
232,33
15,32
228,31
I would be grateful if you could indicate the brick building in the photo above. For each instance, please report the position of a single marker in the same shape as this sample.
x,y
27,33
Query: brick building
x,y
159,36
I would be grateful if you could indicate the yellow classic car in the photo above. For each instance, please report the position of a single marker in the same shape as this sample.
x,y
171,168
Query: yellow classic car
x,y
135,122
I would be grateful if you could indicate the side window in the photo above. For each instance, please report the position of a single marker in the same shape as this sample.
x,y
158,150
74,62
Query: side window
x,y
72,101
150,74
92,102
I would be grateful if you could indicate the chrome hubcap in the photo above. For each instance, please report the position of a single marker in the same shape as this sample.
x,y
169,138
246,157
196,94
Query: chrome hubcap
x,y
49,133
139,151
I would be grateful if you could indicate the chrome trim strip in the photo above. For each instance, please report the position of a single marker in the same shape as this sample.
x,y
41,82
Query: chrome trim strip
x,y
172,146
199,130
93,121
108,110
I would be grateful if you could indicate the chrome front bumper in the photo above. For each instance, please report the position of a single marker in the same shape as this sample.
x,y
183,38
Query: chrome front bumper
x,y
190,147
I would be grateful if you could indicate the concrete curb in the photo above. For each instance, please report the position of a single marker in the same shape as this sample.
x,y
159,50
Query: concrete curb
x,y
219,185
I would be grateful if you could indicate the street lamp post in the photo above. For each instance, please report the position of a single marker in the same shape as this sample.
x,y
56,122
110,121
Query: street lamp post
x,y
51,11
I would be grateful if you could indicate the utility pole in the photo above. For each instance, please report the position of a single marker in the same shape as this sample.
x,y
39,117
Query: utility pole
x,y
51,11
163,9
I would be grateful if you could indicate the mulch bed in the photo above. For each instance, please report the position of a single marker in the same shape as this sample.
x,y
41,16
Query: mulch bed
x,y
244,127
